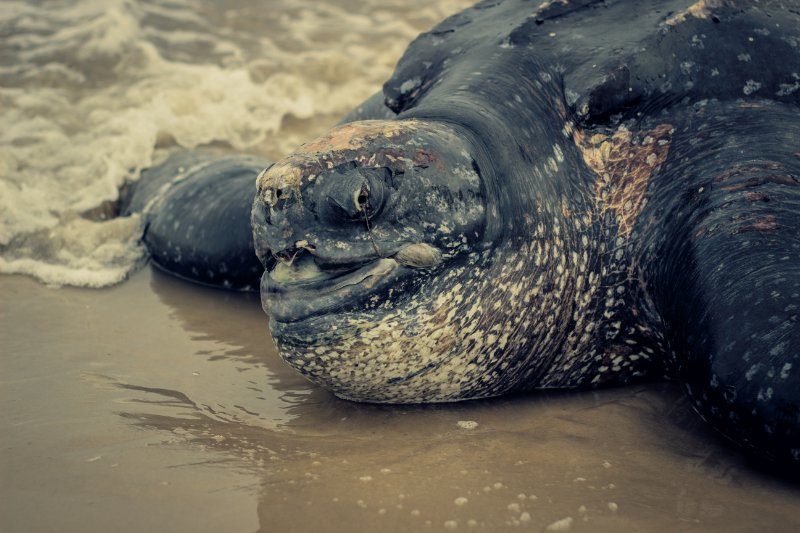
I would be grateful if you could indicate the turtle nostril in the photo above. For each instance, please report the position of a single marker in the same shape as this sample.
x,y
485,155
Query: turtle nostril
x,y
288,255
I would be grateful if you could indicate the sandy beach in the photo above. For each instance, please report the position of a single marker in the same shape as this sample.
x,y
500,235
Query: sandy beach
x,y
157,405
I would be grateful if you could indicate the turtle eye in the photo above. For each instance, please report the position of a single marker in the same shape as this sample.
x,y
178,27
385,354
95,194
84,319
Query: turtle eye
x,y
354,196
361,198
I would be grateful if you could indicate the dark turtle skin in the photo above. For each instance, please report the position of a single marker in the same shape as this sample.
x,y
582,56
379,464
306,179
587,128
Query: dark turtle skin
x,y
196,220
567,194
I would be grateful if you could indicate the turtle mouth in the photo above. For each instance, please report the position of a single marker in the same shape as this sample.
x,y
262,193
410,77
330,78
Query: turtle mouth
x,y
300,289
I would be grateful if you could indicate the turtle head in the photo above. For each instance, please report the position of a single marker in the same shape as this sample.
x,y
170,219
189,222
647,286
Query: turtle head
x,y
355,228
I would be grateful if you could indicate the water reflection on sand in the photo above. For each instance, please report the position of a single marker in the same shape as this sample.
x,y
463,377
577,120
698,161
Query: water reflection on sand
x,y
160,403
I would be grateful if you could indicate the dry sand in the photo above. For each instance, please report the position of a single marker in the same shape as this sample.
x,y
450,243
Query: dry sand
x,y
161,406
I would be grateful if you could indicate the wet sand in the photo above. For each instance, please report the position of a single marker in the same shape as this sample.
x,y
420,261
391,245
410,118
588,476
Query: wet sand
x,y
161,406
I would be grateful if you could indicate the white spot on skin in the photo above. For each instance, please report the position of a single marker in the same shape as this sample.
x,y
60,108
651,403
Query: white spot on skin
x,y
750,87
778,349
559,153
785,89
752,372
785,370
409,85
460,501
765,395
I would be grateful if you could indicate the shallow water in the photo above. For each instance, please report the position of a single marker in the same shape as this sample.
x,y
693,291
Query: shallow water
x,y
159,405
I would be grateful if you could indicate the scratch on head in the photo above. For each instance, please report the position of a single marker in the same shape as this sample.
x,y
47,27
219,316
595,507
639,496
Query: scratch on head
x,y
623,163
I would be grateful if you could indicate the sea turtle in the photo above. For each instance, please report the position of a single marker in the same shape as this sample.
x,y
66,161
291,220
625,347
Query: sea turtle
x,y
558,194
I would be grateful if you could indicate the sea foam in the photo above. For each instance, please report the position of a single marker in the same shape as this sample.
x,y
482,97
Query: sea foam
x,y
94,91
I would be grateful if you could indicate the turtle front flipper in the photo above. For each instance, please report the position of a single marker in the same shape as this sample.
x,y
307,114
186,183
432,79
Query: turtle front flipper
x,y
729,281
196,212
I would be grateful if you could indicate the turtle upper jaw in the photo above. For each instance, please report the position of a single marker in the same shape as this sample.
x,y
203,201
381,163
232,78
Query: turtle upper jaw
x,y
300,290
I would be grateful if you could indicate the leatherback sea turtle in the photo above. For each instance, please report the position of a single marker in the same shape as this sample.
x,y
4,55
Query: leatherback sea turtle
x,y
545,195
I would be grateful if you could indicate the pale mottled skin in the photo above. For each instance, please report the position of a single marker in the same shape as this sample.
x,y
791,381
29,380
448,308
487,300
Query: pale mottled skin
x,y
493,318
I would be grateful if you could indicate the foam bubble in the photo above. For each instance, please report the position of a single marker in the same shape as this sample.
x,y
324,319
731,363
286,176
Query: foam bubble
x,y
560,525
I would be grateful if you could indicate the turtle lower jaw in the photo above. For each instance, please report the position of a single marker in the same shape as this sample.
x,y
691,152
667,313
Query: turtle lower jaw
x,y
293,298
